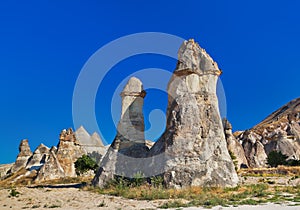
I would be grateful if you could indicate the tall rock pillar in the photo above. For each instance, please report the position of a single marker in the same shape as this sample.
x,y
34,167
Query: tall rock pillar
x,y
131,125
129,144
194,144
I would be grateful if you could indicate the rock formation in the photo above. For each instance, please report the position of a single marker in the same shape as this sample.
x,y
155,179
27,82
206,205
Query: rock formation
x,y
194,144
68,151
234,146
4,169
52,169
60,162
23,156
39,157
91,144
57,162
280,131
253,149
129,143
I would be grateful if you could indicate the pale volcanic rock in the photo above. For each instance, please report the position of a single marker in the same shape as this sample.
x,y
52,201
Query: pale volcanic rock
x,y
39,157
60,162
68,151
52,169
23,156
234,146
129,143
194,145
131,125
4,169
91,144
280,131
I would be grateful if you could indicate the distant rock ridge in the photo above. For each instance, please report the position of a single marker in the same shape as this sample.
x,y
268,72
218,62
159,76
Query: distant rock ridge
x,y
280,131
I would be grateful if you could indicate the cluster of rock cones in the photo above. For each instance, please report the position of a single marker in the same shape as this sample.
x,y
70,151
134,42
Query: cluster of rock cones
x,y
193,150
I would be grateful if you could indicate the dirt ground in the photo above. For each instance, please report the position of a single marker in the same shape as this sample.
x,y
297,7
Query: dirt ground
x,y
71,197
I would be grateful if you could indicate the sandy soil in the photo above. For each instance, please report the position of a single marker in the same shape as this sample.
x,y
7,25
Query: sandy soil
x,y
247,207
70,197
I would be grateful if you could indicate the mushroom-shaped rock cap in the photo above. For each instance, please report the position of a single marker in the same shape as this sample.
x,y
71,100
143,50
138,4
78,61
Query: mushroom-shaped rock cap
x,y
193,58
133,86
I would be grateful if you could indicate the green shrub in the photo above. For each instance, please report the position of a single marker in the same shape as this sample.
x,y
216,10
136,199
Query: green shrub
x,y
138,179
276,158
293,162
13,193
157,181
84,164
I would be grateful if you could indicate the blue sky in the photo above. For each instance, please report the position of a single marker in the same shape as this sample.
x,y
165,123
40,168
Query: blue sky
x,y
44,45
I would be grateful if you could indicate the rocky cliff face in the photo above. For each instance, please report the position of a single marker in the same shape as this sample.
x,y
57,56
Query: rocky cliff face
x,y
129,144
194,144
23,156
280,131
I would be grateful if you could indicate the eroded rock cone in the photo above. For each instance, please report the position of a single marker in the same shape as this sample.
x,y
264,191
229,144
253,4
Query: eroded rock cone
x,y
122,157
68,151
194,145
52,169
60,162
91,144
23,156
39,157
234,146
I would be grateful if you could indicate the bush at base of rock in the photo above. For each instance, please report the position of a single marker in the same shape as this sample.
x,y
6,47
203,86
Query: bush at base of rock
x,y
84,164
275,159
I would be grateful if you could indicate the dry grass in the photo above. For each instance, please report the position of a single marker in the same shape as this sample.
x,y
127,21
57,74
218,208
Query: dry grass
x,y
267,172
196,196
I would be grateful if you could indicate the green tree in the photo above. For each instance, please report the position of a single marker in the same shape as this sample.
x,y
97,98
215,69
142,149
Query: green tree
x,y
85,163
276,158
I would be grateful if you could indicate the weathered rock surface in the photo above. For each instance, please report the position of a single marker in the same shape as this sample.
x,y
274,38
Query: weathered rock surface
x,y
194,144
254,150
60,162
280,131
68,151
4,169
91,144
23,156
129,143
39,157
234,146
52,169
